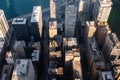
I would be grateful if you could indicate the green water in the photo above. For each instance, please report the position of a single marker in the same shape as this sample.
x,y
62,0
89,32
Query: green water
x,y
114,20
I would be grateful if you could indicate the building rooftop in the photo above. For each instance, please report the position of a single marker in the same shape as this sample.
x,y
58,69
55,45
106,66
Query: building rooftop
x,y
52,9
105,3
91,26
72,54
37,11
70,42
75,52
77,69
21,69
55,54
91,23
35,55
53,44
53,24
19,21
107,75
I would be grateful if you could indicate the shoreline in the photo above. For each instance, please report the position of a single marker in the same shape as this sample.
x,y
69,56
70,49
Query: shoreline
x,y
29,14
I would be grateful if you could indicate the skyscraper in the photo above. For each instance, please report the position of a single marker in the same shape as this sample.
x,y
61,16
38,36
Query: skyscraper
x,y
104,10
52,9
36,23
5,30
20,25
101,9
70,18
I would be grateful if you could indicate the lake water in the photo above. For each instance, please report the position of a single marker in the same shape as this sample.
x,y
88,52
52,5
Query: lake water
x,y
13,8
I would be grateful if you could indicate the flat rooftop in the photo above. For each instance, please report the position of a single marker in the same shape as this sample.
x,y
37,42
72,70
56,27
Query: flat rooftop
x,y
70,41
107,75
35,55
53,24
20,69
105,3
77,69
91,23
19,21
53,44
36,14
54,54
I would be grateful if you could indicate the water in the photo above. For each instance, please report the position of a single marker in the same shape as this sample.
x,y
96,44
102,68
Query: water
x,y
14,8
114,18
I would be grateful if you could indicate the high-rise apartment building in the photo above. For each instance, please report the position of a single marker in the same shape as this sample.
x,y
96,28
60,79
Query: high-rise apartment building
x,y
70,18
100,10
5,30
90,28
36,23
20,27
104,10
111,48
52,9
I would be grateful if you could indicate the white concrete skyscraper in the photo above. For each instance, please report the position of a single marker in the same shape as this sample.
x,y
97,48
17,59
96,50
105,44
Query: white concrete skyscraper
x,y
104,10
100,9
52,9
5,31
